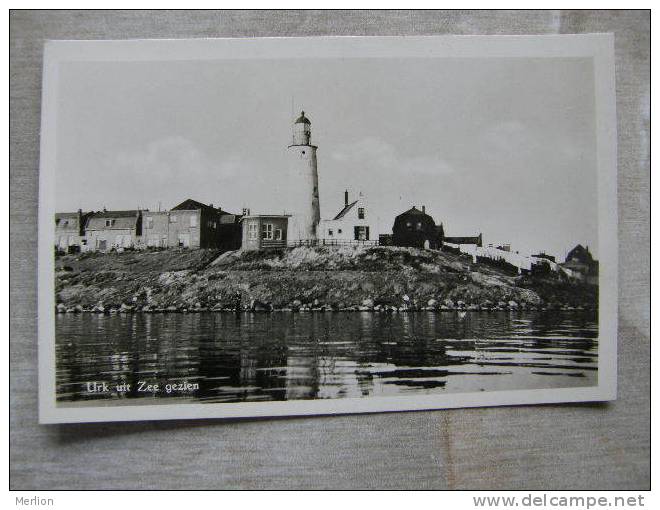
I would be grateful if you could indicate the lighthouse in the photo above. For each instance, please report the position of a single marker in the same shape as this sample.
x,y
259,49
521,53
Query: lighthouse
x,y
303,183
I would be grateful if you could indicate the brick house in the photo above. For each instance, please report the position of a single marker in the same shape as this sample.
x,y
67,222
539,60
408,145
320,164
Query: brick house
x,y
264,231
192,224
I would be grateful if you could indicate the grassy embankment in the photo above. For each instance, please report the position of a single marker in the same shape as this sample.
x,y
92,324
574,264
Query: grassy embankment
x,y
324,278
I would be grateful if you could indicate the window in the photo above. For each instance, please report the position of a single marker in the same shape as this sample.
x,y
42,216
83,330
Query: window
x,y
193,221
267,231
278,234
408,224
109,223
173,218
150,222
84,242
339,231
419,225
361,233
252,231
329,232
361,213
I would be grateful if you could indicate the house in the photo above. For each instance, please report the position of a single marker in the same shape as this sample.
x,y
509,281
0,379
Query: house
x,y
354,223
581,265
106,230
70,231
192,224
414,228
264,231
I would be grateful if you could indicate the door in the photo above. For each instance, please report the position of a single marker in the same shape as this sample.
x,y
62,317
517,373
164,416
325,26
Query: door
x,y
103,245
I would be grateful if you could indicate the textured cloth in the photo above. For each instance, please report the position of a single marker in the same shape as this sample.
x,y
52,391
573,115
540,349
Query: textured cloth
x,y
590,446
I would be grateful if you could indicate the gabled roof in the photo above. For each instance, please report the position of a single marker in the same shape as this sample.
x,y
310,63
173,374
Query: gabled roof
x,y
414,210
345,210
192,205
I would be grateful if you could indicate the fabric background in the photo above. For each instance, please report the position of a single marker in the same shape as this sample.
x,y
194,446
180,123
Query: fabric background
x,y
578,446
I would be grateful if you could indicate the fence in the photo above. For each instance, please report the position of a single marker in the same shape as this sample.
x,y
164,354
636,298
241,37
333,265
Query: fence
x,y
330,242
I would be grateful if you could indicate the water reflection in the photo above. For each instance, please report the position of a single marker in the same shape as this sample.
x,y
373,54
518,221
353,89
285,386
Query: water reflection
x,y
280,356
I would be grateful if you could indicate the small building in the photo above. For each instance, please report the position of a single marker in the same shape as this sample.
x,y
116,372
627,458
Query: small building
x,y
70,231
416,229
107,230
354,223
475,240
192,224
581,265
264,231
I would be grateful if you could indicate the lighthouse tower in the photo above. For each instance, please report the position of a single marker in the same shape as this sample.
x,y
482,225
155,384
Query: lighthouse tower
x,y
303,183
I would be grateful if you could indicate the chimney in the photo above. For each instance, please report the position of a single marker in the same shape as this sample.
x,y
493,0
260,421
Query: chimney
x,y
211,206
346,197
423,209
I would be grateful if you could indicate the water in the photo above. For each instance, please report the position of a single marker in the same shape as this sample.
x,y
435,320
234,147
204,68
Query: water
x,y
222,357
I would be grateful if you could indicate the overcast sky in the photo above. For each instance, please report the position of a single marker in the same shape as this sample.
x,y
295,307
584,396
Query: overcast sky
x,y
505,147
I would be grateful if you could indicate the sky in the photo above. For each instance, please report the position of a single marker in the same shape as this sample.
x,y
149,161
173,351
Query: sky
x,y
505,147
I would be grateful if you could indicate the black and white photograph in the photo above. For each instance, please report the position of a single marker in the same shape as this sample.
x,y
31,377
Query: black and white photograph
x,y
275,227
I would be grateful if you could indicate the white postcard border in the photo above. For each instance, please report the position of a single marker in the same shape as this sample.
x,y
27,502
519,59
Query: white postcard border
x,y
600,47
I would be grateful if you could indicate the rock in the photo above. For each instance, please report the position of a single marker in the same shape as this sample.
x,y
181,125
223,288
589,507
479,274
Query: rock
x,y
172,309
259,306
432,303
364,308
460,304
125,308
449,304
368,303
406,298
60,308
98,309
512,304
316,303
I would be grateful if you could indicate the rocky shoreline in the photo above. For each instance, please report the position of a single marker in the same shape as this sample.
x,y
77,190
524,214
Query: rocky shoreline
x,y
296,307
353,279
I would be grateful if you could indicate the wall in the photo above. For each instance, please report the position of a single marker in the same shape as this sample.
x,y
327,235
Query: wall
x,y
572,446
259,242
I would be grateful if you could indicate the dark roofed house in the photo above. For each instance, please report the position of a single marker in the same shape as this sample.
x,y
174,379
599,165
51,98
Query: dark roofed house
x,y
414,228
581,264
192,224
106,230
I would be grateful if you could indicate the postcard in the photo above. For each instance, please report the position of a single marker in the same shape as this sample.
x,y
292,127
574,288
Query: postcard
x,y
312,226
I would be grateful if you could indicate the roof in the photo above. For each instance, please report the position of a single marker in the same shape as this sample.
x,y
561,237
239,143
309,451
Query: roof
x,y
345,210
302,119
63,215
580,253
462,240
192,205
123,220
414,211
251,216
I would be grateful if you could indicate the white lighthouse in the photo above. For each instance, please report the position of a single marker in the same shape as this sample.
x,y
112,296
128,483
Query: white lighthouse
x,y
303,184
